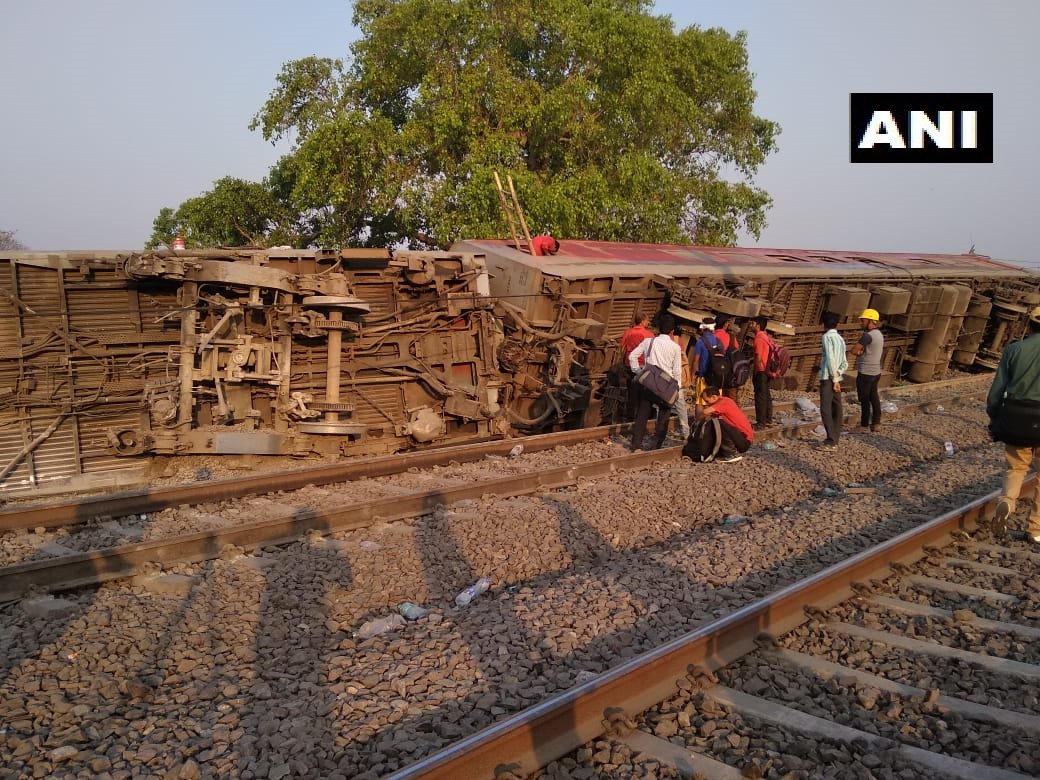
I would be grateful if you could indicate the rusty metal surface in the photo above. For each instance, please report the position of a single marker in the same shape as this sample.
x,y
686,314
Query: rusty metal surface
x,y
531,739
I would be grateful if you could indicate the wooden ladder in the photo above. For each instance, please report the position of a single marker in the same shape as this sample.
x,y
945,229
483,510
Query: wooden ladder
x,y
514,214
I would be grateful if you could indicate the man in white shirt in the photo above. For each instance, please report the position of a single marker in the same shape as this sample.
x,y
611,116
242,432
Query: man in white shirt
x,y
663,352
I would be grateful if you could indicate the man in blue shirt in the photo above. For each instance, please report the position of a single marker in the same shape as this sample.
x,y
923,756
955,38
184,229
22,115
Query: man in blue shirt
x,y
701,361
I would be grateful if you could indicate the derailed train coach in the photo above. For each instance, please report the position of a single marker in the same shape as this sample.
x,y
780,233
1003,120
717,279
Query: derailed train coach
x,y
108,358
564,314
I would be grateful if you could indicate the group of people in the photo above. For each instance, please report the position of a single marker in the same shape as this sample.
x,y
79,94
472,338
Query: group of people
x,y
1013,403
690,367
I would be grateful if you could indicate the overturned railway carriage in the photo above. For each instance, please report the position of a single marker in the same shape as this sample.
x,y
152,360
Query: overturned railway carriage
x,y
107,358
937,311
104,356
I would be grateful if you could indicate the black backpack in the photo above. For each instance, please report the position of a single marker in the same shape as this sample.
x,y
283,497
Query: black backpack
x,y
718,370
739,365
729,367
704,440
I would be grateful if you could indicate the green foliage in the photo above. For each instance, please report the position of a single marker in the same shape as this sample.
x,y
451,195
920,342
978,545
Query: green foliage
x,y
234,213
612,124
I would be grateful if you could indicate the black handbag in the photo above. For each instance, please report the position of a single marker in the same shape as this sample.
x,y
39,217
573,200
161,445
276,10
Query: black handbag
x,y
1017,422
658,382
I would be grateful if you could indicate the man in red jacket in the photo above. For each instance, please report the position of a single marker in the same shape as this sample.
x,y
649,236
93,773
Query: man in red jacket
x,y
735,426
544,245
631,339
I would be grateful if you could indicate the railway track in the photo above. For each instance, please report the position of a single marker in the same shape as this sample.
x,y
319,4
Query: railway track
x,y
252,665
286,519
721,701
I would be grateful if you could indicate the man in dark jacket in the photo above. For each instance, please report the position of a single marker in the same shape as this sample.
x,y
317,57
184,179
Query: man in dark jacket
x,y
1013,406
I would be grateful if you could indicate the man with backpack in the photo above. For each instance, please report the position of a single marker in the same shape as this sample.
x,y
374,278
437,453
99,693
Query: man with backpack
x,y
734,427
731,347
659,353
760,379
706,346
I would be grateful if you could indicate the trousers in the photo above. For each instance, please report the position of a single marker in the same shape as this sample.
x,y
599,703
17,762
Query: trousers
x,y
1019,459
869,399
831,411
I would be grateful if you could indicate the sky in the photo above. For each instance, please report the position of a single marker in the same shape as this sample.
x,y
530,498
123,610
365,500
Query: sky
x,y
112,109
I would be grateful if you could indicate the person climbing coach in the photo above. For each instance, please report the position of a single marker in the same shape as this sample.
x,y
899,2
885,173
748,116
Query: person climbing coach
x,y
544,245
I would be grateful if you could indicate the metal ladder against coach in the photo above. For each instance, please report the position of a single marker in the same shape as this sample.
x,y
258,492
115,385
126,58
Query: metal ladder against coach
x,y
514,214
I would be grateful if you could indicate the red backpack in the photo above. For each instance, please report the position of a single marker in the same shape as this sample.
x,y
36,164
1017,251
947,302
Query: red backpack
x,y
779,360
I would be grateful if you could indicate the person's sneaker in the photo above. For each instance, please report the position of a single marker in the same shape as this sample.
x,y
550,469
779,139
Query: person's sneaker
x,y
875,428
829,446
761,426
861,429
1000,517
730,458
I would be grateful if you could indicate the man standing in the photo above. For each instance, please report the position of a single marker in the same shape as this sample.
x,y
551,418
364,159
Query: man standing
x,y
680,409
666,355
733,424
833,365
631,339
760,378
868,370
727,339
1013,406
706,343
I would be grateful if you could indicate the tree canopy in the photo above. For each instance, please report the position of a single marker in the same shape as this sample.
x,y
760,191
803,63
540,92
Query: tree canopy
x,y
613,124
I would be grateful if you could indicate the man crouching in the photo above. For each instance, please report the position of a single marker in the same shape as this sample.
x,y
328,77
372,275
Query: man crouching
x,y
734,425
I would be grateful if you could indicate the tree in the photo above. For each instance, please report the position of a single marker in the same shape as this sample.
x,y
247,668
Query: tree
x,y
613,125
234,213
9,243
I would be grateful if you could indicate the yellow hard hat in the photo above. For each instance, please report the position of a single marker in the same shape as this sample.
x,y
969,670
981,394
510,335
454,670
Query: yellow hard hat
x,y
870,314
1034,315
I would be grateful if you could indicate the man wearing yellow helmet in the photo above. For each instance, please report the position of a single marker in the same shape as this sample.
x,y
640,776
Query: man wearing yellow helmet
x,y
868,370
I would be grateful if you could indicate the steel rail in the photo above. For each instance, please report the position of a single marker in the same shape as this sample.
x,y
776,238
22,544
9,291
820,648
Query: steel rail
x,y
82,510
79,569
79,511
531,739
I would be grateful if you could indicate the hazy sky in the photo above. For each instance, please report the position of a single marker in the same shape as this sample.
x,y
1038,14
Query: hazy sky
x,y
112,109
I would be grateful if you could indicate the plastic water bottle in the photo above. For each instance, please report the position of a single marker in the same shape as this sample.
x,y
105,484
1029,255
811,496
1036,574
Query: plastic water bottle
x,y
949,447
379,626
474,590
412,611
